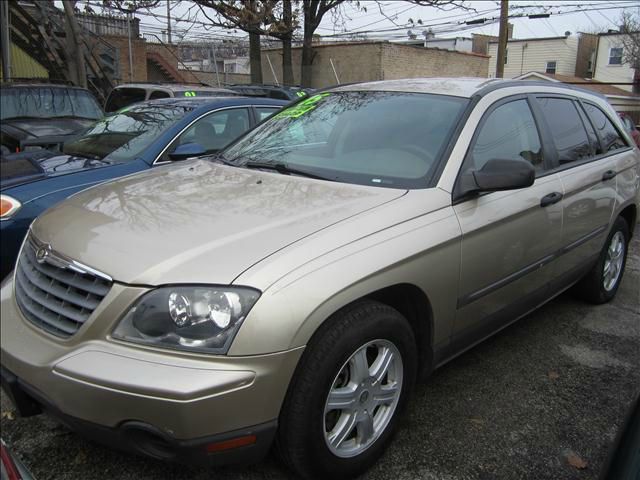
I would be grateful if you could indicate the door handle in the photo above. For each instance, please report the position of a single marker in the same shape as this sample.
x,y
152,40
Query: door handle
x,y
550,199
608,175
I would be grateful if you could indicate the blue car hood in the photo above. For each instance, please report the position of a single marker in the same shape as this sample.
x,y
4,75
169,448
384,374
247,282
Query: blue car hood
x,y
22,168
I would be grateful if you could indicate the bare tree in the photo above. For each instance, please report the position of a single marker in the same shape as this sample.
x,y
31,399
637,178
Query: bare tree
x,y
630,25
251,16
315,10
131,5
282,28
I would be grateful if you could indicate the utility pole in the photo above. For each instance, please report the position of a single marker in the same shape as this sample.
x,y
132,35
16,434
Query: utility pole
x,y
502,38
75,43
5,36
130,50
169,22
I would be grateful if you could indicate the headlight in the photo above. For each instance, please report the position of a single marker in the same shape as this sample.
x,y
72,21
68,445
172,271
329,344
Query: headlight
x,y
8,206
194,318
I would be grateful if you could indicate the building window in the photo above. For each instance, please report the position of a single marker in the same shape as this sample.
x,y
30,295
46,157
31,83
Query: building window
x,y
551,67
615,56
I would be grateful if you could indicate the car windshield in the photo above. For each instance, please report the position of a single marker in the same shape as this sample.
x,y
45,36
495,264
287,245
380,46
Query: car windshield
x,y
124,135
389,139
47,102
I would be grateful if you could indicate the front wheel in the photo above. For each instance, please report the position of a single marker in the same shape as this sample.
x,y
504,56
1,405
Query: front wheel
x,y
349,388
601,283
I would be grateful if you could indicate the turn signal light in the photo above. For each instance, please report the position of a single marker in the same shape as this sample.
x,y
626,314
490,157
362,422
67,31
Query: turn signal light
x,y
233,443
8,206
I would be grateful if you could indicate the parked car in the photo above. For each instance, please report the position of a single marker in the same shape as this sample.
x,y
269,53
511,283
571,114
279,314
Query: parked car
x,y
280,92
11,468
293,288
135,139
42,115
627,121
130,93
624,456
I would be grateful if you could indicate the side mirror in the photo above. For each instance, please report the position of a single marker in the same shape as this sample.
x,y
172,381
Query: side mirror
x,y
499,174
187,150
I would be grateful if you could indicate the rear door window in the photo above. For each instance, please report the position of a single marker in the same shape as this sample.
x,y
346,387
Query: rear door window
x,y
122,97
566,128
611,139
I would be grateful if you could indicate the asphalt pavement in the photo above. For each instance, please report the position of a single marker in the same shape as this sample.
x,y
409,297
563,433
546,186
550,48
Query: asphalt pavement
x,y
543,399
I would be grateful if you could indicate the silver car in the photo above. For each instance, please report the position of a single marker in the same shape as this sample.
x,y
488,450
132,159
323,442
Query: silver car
x,y
293,289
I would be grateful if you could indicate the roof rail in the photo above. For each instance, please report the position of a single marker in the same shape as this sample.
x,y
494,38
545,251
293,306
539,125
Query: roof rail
x,y
533,83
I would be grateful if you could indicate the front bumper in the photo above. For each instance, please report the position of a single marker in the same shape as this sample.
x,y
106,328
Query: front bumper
x,y
145,439
113,391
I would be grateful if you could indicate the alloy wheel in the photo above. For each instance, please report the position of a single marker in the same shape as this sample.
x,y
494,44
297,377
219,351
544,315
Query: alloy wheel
x,y
363,398
613,261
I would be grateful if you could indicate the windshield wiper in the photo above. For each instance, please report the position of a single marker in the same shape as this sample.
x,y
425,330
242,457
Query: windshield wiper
x,y
90,156
283,168
218,157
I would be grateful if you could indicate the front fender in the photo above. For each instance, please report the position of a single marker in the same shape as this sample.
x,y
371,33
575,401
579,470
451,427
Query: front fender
x,y
424,251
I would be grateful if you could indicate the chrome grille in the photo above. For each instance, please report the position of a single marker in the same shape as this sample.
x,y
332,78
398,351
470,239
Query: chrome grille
x,y
55,293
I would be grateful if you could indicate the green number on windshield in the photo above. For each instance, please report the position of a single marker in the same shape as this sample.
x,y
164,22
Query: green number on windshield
x,y
189,94
303,107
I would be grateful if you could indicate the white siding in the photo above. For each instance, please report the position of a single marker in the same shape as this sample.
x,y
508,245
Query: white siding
x,y
611,73
458,44
532,56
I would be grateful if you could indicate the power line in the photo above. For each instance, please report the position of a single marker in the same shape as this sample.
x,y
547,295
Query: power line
x,y
485,21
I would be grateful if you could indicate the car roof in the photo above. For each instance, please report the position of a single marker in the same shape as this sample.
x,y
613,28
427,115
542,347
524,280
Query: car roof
x,y
459,87
266,86
222,101
173,87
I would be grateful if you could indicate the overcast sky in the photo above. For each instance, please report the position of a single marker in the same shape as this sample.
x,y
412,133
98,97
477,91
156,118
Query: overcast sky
x,y
566,15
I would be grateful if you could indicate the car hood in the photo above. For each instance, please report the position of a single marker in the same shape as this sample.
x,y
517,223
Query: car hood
x,y
197,222
27,167
44,127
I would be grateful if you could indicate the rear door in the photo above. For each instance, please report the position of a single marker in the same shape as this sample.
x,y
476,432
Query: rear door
x,y
509,237
587,146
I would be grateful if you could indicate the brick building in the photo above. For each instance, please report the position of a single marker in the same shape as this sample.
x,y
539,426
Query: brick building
x,y
375,60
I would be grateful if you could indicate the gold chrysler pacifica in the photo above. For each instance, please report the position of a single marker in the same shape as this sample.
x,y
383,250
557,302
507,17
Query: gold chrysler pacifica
x,y
290,290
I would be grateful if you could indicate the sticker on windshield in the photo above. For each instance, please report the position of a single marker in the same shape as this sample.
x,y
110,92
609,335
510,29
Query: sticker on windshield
x,y
303,107
190,94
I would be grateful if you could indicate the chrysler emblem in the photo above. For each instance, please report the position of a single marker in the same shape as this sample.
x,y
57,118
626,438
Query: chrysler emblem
x,y
42,253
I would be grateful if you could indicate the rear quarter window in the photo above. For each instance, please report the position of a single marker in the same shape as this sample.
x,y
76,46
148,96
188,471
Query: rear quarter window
x,y
567,129
611,138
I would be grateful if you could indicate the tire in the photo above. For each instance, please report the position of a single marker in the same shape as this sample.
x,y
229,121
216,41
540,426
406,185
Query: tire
x,y
331,362
597,287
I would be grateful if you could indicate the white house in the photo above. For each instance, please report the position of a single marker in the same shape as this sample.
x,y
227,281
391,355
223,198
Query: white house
x,y
549,55
609,61
237,65
457,44
621,100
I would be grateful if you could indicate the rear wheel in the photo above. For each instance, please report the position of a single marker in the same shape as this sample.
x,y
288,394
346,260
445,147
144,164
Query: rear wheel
x,y
350,386
601,283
